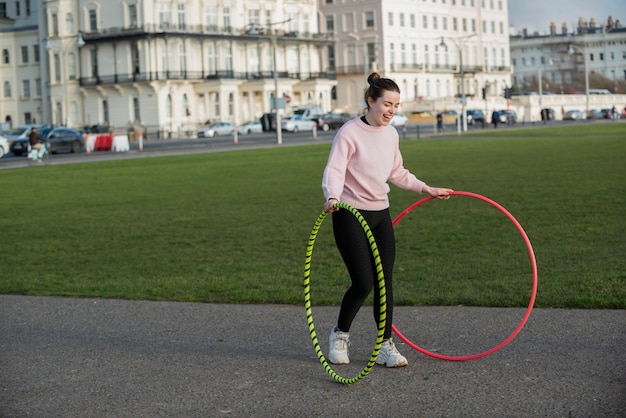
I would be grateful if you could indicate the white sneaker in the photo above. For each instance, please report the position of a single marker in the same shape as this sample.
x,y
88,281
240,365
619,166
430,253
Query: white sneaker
x,y
389,355
338,343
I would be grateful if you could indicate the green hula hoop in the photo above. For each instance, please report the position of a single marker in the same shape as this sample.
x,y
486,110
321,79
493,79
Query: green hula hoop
x,y
382,292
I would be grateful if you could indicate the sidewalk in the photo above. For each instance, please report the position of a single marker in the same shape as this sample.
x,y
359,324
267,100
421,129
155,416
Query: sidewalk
x,y
62,357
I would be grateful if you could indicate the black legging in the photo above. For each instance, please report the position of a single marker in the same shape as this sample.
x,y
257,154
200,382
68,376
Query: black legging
x,y
357,256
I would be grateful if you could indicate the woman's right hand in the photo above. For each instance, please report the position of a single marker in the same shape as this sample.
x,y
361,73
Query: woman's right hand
x,y
329,206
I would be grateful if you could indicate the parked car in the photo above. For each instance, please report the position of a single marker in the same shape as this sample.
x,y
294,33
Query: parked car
x,y
594,114
297,123
475,116
507,116
18,138
607,113
62,139
332,121
254,126
216,129
399,120
4,146
574,114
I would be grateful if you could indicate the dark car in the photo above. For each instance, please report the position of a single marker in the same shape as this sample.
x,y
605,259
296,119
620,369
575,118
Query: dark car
x,y
507,116
475,116
63,139
332,121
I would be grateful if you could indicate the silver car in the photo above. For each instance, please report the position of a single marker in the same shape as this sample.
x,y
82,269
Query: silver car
x,y
217,129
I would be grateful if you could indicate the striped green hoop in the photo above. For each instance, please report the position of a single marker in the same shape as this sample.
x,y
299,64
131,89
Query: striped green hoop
x,y
382,319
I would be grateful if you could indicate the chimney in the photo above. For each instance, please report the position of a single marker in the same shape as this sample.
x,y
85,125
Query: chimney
x,y
552,28
564,28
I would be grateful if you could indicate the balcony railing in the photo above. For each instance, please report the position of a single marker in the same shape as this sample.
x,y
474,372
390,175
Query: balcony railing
x,y
224,31
200,76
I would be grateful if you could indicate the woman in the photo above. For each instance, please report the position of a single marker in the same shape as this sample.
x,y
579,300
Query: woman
x,y
365,155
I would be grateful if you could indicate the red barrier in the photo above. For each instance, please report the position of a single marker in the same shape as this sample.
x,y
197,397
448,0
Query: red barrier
x,y
103,143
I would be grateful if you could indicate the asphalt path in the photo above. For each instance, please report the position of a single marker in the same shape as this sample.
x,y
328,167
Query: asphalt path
x,y
67,357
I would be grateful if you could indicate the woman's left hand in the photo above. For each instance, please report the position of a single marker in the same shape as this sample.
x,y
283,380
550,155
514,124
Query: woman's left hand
x,y
440,193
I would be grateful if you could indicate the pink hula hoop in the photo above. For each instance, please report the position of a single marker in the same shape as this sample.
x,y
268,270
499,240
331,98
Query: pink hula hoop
x,y
533,262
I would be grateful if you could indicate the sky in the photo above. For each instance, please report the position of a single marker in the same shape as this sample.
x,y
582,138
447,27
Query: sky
x,y
536,15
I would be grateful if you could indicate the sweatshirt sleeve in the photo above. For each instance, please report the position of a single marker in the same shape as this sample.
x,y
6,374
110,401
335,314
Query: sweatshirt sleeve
x,y
334,177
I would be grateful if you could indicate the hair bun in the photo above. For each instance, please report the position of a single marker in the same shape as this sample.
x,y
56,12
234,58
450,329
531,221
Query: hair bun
x,y
373,78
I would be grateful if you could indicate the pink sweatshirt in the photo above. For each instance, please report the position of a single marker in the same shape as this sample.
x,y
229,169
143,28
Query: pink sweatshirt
x,y
362,159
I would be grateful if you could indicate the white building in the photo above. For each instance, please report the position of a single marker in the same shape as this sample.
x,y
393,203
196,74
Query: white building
x,y
402,40
169,66
563,57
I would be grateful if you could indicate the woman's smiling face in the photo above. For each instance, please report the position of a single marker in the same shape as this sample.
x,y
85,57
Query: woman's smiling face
x,y
382,110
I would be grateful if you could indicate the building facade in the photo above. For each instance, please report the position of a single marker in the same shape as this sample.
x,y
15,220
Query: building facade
x,y
427,46
169,66
565,57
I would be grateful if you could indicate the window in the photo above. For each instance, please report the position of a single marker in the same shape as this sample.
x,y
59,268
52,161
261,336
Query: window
x,y
164,15
71,66
412,20
5,56
231,104
390,18
24,50
132,15
69,23
601,56
28,9
331,57
57,68
28,118
501,28
435,26
401,20
330,23
181,16
93,20
210,17
38,87
226,17
17,8
473,25
105,112
136,113
185,109
425,22
36,53
464,25
369,20
54,20
93,59
455,27
25,88
217,104
7,89
3,9
445,23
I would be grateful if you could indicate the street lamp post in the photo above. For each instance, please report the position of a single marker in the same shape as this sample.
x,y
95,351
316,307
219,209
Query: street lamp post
x,y
460,45
583,52
274,37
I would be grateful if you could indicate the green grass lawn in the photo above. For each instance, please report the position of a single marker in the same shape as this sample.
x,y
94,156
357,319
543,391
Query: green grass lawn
x,y
233,227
